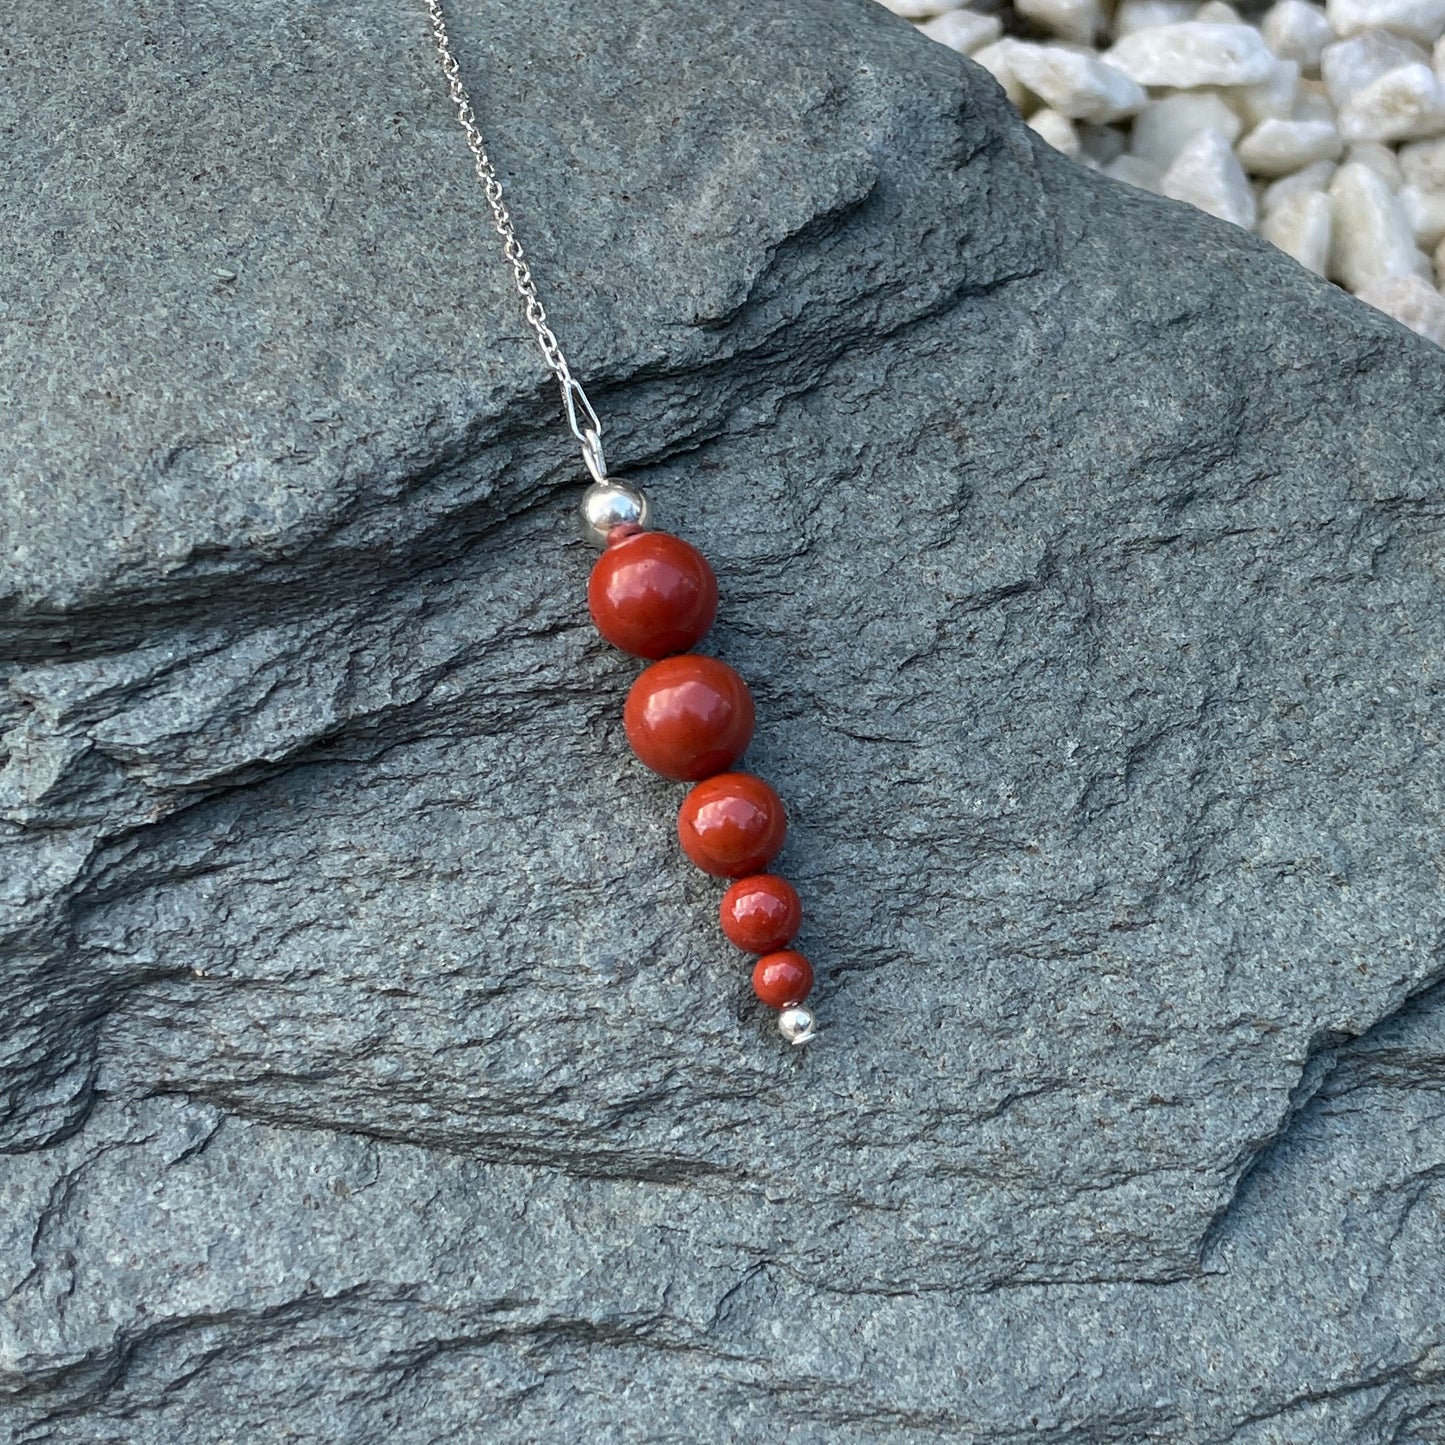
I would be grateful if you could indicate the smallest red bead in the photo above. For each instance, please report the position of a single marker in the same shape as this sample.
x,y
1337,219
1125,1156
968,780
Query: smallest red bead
x,y
782,979
761,914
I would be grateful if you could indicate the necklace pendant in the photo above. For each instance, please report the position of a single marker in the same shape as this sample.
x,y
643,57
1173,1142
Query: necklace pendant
x,y
690,717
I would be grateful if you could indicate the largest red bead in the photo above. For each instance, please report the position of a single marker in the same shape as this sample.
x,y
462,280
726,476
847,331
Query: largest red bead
x,y
652,594
689,717
732,825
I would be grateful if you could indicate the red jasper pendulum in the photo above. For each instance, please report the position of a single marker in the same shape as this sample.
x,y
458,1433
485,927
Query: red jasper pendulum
x,y
690,717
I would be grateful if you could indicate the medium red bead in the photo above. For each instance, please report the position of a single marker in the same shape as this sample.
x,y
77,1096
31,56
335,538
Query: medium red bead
x,y
782,979
732,825
689,717
651,594
761,914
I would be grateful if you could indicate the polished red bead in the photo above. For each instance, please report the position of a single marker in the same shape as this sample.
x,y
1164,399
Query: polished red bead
x,y
689,717
761,914
782,979
732,825
651,594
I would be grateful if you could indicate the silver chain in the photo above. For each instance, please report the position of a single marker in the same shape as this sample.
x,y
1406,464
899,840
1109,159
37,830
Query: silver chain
x,y
581,418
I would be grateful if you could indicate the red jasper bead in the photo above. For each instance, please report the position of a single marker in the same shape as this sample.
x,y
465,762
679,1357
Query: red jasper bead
x,y
732,825
782,979
689,717
651,594
761,914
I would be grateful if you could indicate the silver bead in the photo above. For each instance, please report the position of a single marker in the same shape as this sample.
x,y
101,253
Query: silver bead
x,y
610,504
797,1024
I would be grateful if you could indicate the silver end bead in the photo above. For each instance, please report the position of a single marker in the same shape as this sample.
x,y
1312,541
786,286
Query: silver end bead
x,y
797,1024
610,503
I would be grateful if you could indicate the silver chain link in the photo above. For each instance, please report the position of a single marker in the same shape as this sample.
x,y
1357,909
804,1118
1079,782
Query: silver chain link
x,y
581,418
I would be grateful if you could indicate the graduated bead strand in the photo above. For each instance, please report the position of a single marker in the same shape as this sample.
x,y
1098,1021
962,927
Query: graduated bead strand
x,y
651,594
690,717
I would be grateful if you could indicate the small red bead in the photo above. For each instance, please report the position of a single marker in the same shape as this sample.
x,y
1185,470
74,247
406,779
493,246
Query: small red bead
x,y
651,594
782,979
732,825
689,717
761,914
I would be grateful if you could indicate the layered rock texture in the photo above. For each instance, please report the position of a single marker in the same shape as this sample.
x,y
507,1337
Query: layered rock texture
x,y
374,1069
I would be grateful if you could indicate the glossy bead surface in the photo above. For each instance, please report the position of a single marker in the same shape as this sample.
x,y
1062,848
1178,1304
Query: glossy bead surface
x,y
782,979
651,594
689,717
761,914
732,825
610,504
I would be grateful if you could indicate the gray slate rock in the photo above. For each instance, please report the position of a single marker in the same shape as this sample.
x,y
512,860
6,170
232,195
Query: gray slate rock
x,y
373,1067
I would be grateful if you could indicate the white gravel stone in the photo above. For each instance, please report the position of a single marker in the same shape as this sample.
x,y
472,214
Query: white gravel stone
x,y
1192,54
1440,264
1298,31
1420,19
1348,66
1411,301
1380,159
1076,20
1057,129
1312,178
963,30
1134,15
1422,164
1164,127
1134,171
1425,211
1300,226
1206,174
1217,12
1404,104
1272,99
1370,234
922,9
1074,83
1311,102
1101,143
1278,147
997,59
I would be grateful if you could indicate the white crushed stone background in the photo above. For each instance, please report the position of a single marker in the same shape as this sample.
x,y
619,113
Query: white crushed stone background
x,y
1321,127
